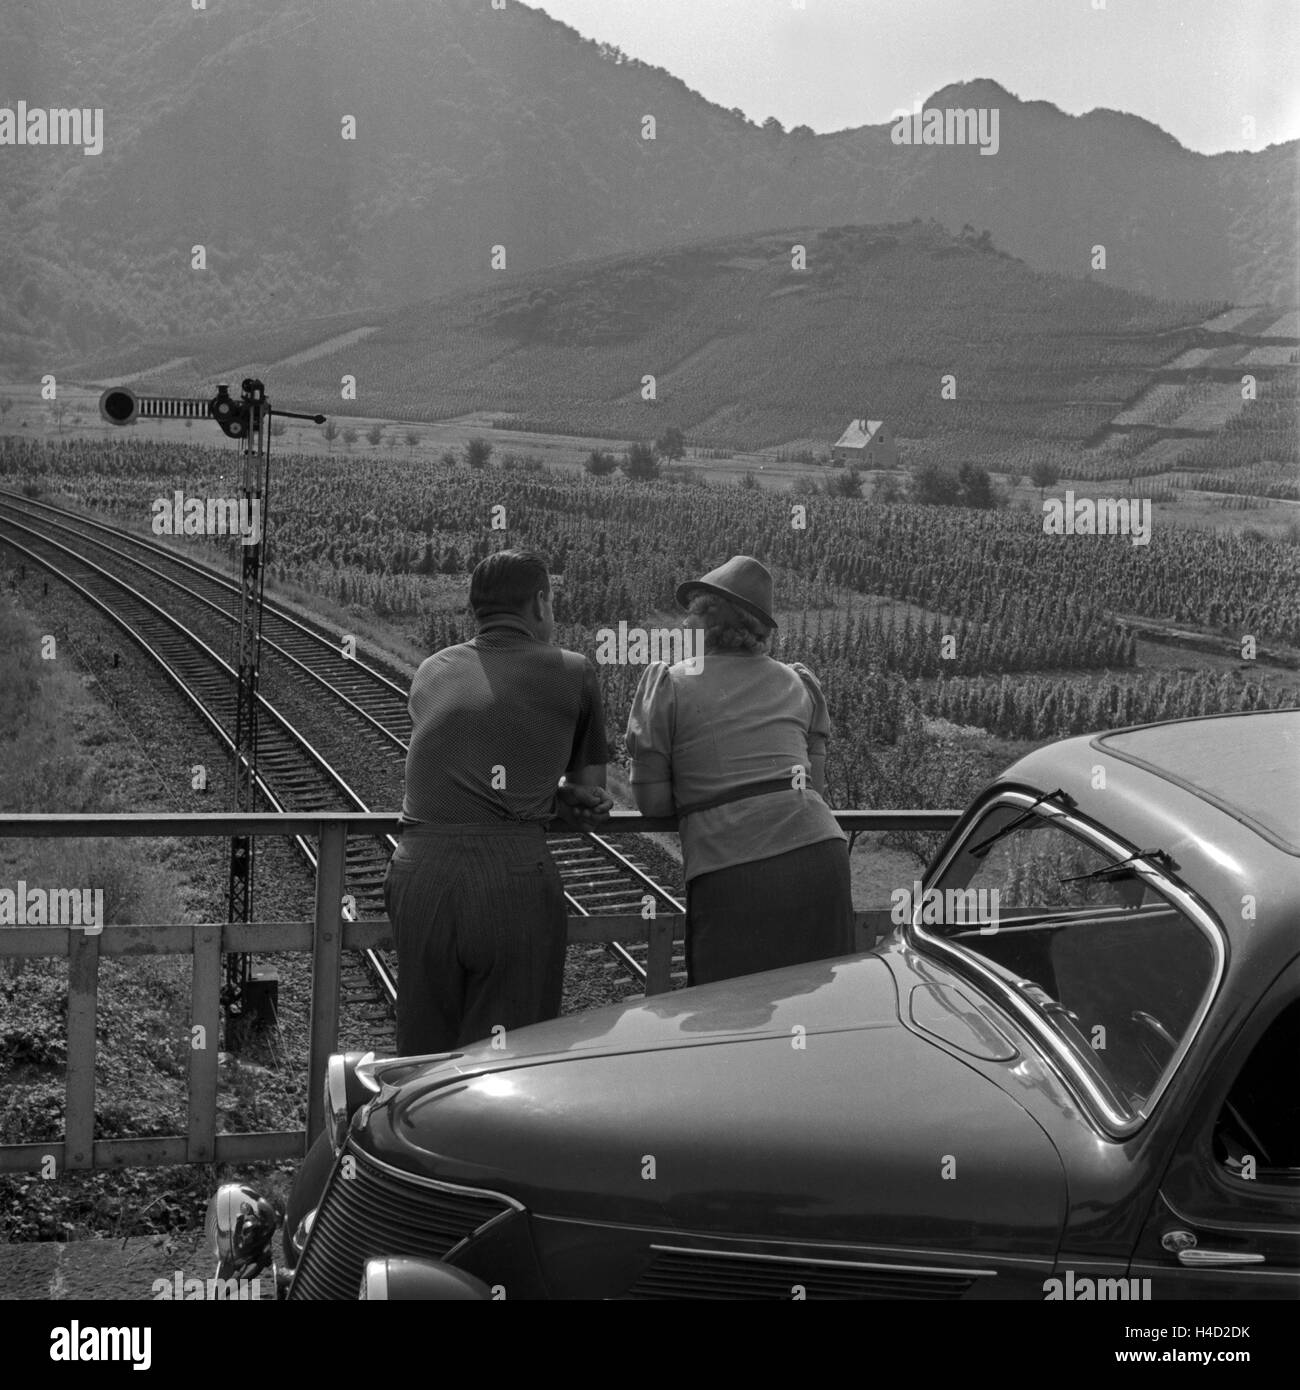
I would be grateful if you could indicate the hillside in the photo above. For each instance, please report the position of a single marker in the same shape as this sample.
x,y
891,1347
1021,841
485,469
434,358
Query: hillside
x,y
478,128
746,352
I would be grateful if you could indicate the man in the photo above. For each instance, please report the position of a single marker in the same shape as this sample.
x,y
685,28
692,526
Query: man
x,y
475,899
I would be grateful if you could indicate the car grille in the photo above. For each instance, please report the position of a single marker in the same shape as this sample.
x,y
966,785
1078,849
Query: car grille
x,y
379,1212
702,1274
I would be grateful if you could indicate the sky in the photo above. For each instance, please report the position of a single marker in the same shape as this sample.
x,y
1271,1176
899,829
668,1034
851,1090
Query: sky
x,y
1215,75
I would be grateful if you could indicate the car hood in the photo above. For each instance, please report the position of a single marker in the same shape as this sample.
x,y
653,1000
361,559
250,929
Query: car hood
x,y
794,1103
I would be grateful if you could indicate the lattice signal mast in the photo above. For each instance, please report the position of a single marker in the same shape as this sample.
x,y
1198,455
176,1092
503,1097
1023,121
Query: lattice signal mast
x,y
247,419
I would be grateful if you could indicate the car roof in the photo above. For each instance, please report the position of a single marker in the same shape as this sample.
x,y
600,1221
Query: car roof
x,y
1229,826
1247,765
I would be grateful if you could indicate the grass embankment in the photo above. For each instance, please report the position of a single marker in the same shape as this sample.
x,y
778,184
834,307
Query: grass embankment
x,y
61,749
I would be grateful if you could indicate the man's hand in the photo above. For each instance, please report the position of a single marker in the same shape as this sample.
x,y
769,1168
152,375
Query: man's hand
x,y
584,808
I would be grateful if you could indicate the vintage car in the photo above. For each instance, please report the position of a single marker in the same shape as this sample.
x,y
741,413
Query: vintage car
x,y
1070,1072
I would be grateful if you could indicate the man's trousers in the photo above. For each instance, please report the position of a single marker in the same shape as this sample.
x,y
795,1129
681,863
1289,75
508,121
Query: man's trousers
x,y
480,921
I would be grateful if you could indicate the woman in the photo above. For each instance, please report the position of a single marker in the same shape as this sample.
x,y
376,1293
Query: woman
x,y
735,746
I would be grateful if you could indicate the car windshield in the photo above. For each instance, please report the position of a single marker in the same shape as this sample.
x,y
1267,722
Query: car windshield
x,y
1110,962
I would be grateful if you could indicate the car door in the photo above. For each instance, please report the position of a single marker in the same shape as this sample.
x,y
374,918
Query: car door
x,y
1226,1222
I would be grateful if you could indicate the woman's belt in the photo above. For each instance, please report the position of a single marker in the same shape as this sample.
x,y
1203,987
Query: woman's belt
x,y
773,784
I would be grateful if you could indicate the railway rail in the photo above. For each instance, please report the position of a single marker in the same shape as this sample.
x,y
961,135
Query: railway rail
x,y
180,612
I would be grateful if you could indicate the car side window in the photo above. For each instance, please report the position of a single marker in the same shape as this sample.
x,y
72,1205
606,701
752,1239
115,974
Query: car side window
x,y
1257,1134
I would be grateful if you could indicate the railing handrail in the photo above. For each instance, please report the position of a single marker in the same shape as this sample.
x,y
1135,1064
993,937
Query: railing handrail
x,y
149,824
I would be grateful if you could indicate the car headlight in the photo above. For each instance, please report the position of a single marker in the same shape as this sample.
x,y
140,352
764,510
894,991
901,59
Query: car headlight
x,y
345,1093
240,1226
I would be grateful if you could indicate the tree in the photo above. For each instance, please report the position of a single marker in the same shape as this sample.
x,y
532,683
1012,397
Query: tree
x,y
772,126
640,462
451,562
671,444
412,438
374,434
349,437
477,452
600,464
1043,474
803,132
58,409
330,431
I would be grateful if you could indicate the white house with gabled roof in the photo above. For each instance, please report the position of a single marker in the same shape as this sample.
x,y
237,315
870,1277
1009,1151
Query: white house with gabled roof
x,y
866,443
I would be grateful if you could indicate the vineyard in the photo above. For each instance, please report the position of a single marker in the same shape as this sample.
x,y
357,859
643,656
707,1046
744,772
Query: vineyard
x,y
908,614
746,351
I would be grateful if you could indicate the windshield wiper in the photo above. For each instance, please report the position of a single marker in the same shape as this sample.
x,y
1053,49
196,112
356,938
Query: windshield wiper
x,y
980,850
1123,868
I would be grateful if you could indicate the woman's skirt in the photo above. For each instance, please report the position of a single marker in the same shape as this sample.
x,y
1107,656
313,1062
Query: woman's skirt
x,y
790,908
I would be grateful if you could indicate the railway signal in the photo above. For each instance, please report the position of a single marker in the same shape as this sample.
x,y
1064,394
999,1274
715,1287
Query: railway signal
x,y
248,997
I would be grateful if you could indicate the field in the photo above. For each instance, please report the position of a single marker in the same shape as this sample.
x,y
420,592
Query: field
x,y
1036,646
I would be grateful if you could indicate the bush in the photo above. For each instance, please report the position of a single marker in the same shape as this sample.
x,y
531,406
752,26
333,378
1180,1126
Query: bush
x,y
975,489
887,489
933,485
640,463
599,464
846,483
478,452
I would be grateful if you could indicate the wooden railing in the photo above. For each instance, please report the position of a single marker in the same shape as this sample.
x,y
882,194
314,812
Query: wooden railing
x,y
326,937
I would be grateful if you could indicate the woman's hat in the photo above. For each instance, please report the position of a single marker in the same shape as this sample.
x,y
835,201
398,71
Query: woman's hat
x,y
743,580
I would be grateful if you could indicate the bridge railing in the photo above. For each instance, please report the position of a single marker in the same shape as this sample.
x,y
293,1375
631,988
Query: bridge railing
x,y
326,937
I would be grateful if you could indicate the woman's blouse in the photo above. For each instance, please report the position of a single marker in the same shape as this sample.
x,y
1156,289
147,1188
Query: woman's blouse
x,y
743,718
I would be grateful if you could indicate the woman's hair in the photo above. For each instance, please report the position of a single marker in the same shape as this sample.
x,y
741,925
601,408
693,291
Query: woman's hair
x,y
729,627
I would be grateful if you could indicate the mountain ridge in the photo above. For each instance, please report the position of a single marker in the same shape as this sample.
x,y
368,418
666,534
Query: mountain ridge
x,y
477,129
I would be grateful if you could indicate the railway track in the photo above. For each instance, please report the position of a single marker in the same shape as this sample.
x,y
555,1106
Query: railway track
x,y
182,613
